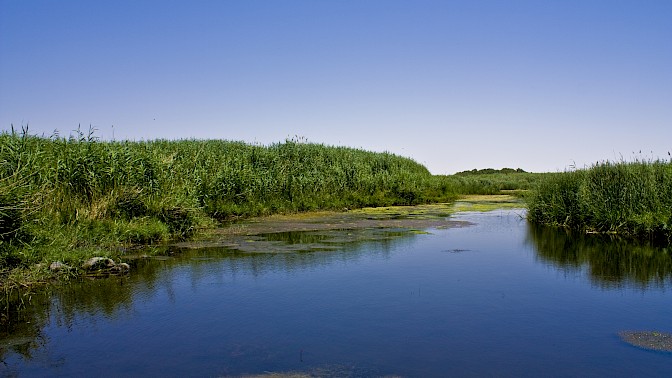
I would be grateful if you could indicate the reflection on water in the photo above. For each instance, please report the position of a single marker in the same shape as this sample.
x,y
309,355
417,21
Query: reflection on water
x,y
25,314
20,331
611,262
372,302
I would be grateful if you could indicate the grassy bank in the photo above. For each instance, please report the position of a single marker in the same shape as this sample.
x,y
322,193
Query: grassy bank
x,y
63,199
632,199
490,181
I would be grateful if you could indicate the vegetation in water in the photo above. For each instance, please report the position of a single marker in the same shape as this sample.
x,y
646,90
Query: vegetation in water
x,y
652,340
489,181
68,198
628,198
477,202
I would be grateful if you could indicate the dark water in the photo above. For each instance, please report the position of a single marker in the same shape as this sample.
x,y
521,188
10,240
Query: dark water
x,y
496,299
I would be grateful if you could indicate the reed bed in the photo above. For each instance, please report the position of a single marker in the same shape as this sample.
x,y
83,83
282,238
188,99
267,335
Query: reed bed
x,y
66,198
490,181
628,198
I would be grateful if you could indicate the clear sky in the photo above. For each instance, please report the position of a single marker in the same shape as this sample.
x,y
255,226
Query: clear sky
x,y
455,85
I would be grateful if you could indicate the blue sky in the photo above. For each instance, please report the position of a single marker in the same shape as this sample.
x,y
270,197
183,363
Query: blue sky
x,y
455,85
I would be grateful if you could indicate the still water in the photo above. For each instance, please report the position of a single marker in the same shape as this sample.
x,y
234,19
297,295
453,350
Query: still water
x,y
498,298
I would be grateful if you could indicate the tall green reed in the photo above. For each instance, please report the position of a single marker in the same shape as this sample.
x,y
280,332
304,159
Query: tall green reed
x,y
80,192
632,198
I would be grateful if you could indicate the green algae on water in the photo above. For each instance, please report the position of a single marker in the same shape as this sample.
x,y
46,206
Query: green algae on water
x,y
653,340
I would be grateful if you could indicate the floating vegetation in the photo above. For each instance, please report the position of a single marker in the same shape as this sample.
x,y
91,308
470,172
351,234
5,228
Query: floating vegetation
x,y
286,242
488,202
328,230
653,340
456,250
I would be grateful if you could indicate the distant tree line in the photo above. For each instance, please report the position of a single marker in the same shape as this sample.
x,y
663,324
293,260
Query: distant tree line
x,y
489,171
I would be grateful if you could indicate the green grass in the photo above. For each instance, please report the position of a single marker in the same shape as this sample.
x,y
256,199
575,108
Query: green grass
x,y
628,198
489,181
62,194
66,199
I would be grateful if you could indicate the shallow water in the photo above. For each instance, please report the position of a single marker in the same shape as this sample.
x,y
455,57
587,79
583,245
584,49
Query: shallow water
x,y
496,298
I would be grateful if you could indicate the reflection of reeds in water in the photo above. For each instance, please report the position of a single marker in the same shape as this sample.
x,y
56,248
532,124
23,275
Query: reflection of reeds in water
x,y
610,261
21,319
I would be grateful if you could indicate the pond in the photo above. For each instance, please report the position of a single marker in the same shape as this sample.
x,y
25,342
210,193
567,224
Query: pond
x,y
488,296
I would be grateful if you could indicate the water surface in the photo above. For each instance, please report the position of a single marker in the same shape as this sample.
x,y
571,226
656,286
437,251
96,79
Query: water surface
x,y
496,298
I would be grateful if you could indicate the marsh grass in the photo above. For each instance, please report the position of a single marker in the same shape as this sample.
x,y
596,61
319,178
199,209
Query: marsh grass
x,y
628,198
492,182
59,196
66,199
